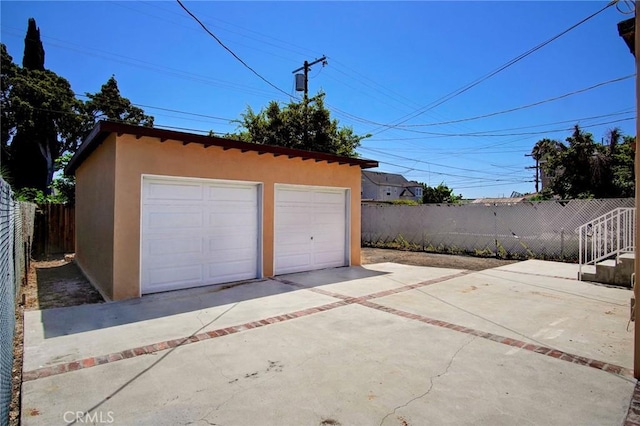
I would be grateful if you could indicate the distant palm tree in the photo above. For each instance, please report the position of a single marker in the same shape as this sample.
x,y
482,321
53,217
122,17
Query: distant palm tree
x,y
543,151
613,138
545,147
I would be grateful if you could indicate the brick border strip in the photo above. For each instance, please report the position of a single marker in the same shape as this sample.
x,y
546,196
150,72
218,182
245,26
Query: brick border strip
x,y
344,301
633,415
542,350
56,369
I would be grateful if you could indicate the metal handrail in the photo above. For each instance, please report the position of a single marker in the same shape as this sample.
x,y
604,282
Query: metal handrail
x,y
609,235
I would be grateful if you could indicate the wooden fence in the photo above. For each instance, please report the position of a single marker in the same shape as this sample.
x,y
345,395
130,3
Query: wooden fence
x,y
54,230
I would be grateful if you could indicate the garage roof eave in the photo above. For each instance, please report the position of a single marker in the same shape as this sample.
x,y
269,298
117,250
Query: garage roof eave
x,y
102,129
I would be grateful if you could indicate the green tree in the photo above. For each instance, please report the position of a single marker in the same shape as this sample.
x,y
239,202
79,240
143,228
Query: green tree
x,y
7,119
622,165
303,125
583,168
439,194
33,58
41,115
108,104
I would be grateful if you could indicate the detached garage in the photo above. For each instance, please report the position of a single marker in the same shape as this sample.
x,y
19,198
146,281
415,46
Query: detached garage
x,y
159,210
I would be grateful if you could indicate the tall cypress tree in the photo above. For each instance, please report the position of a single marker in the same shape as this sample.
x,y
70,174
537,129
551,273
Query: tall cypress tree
x,y
45,118
33,58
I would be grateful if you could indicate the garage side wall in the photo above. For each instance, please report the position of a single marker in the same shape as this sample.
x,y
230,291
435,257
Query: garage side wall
x,y
95,189
136,157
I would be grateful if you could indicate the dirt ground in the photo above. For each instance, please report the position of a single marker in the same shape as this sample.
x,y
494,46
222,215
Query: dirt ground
x,y
378,255
52,283
57,282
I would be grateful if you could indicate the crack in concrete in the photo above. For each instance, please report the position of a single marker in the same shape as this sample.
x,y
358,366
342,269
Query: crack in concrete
x,y
431,379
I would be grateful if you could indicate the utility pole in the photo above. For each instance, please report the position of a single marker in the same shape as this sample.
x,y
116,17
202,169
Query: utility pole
x,y
306,67
305,87
537,167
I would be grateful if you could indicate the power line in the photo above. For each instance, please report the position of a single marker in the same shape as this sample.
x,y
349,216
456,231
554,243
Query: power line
x,y
474,178
427,162
491,114
480,133
486,134
230,51
508,64
261,36
173,110
555,98
151,66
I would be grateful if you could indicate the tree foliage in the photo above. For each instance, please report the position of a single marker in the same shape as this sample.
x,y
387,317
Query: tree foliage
x,y
33,58
303,125
108,104
40,116
43,122
584,168
439,194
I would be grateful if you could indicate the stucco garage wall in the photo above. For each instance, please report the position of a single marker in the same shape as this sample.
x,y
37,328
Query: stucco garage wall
x,y
95,188
136,157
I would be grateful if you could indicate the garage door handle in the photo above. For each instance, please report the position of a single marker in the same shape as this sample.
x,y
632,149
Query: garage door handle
x,y
312,238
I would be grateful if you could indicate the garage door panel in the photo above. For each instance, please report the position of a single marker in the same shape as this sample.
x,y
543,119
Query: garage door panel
x,y
288,239
173,246
173,191
234,220
295,262
231,255
184,220
188,274
328,259
206,235
230,271
332,219
231,193
285,195
217,243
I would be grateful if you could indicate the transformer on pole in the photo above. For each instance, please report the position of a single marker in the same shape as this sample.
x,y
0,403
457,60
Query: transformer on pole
x,y
302,80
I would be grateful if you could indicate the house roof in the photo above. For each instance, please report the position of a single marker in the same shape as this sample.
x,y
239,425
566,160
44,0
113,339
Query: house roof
x,y
627,30
389,179
511,200
102,129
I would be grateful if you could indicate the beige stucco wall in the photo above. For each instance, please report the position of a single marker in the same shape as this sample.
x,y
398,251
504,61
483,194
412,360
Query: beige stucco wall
x,y
95,189
135,157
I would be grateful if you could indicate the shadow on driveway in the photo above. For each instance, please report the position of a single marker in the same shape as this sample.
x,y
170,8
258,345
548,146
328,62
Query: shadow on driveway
x,y
78,319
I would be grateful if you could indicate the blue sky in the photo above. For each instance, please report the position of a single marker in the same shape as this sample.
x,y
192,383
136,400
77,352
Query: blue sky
x,y
386,60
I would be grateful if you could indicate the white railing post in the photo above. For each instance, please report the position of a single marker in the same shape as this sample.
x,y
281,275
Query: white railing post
x,y
611,234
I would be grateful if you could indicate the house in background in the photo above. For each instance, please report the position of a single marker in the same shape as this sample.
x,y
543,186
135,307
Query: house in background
x,y
379,186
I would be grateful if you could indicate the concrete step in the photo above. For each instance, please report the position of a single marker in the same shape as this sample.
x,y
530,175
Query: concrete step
x,y
588,273
626,266
611,271
606,271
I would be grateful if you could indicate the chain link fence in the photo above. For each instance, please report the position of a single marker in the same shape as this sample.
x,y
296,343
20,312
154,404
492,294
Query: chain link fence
x,y
16,234
543,230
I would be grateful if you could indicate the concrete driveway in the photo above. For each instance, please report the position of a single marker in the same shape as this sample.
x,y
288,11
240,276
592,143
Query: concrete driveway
x,y
384,344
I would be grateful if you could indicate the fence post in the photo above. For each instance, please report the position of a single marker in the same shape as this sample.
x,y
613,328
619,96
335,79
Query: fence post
x,y
495,233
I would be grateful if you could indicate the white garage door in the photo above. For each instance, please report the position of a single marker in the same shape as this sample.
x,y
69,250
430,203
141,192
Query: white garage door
x,y
310,228
197,232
